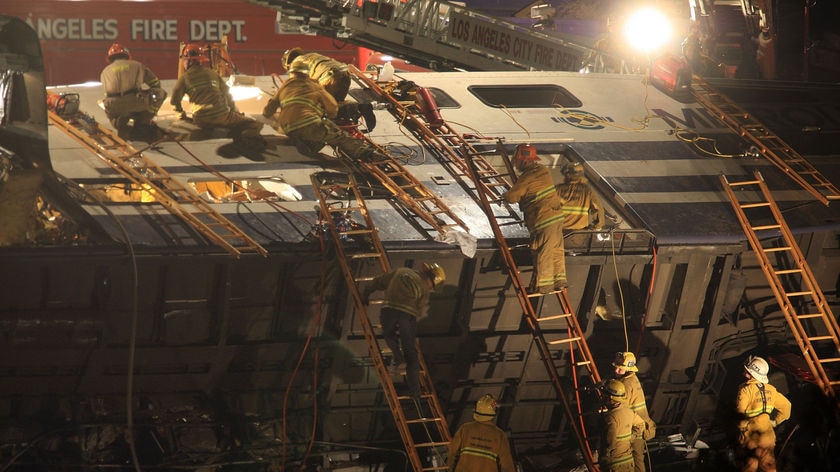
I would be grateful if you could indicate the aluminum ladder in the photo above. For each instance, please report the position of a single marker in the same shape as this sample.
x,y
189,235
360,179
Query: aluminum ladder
x,y
178,199
772,147
794,285
362,257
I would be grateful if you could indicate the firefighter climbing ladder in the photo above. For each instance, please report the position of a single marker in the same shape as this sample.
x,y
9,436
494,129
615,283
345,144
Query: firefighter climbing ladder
x,y
487,186
446,143
574,339
169,192
794,285
413,418
768,144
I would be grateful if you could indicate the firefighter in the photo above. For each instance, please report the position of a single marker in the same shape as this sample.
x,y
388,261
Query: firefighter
x,y
133,94
761,408
210,100
407,294
480,445
538,200
331,74
615,454
306,116
582,208
625,371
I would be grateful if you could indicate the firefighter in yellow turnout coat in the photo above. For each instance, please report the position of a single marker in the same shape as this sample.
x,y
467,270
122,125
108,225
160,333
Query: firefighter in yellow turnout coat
x,y
615,453
582,209
210,100
538,200
480,445
333,75
306,116
625,371
761,407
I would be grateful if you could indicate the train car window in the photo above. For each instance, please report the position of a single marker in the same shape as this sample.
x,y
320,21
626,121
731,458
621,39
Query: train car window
x,y
525,96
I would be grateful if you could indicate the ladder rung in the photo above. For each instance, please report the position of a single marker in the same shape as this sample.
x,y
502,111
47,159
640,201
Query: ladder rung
x,y
810,316
431,444
788,271
364,255
765,227
554,317
565,341
424,420
755,205
821,338
776,249
831,359
798,294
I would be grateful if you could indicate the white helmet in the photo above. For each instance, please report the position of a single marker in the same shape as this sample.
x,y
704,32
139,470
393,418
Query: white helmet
x,y
757,368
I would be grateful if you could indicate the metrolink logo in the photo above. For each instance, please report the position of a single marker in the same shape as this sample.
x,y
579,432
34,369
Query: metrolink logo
x,y
581,119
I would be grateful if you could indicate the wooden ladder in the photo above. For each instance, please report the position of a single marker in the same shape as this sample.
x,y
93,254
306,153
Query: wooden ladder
x,y
551,350
362,257
794,285
772,147
448,146
178,199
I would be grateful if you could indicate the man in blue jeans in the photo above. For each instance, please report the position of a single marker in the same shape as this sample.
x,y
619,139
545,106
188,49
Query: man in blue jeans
x,y
406,299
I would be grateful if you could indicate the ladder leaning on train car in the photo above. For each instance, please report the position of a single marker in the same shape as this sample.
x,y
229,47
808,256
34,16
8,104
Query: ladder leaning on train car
x,y
178,199
362,257
487,186
794,285
767,143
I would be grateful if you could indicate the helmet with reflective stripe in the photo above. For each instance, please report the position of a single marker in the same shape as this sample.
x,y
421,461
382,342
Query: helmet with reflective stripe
x,y
625,360
117,51
526,153
485,408
435,273
616,390
289,55
758,368
193,53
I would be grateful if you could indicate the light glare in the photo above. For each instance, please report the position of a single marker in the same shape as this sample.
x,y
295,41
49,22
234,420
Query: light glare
x,y
647,30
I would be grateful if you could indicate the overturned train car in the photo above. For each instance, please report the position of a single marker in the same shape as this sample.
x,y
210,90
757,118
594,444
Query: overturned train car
x,y
129,338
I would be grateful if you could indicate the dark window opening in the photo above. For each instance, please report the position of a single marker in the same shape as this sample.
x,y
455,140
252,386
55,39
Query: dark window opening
x,y
525,96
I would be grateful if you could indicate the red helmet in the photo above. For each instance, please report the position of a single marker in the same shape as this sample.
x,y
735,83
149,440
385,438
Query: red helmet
x,y
526,153
117,49
194,52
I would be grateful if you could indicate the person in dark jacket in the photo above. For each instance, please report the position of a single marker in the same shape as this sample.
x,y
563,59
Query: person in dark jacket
x,y
407,294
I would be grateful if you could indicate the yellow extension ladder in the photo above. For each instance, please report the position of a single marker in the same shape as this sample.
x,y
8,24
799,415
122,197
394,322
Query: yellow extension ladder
x,y
421,424
794,285
772,147
178,199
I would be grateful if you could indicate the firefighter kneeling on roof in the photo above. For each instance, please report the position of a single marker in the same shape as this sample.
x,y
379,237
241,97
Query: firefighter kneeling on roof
x,y
132,94
306,116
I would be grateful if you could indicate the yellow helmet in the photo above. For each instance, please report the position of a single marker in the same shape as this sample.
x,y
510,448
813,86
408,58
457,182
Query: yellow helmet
x,y
616,390
435,273
485,408
289,55
625,360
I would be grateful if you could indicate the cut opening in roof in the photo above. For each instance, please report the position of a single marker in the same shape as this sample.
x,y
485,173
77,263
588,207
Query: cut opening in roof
x,y
525,96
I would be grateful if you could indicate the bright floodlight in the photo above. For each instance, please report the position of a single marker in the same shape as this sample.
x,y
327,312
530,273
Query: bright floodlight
x,y
647,30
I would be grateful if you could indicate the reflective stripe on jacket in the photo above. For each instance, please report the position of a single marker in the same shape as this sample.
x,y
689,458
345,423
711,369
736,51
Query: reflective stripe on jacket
x,y
537,197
